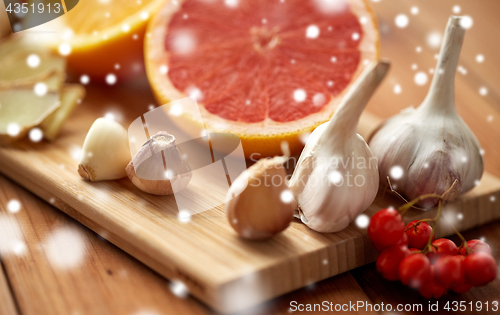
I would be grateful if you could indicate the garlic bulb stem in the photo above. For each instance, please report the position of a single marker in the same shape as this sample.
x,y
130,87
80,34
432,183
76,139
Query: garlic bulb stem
x,y
346,117
441,94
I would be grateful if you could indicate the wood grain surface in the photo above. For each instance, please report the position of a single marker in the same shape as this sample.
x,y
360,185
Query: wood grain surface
x,y
480,112
221,269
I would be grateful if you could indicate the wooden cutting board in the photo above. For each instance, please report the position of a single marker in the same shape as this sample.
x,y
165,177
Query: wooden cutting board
x,y
204,254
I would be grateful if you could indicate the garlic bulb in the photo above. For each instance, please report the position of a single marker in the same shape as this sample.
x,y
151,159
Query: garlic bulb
x,y
259,203
105,152
425,150
158,167
336,177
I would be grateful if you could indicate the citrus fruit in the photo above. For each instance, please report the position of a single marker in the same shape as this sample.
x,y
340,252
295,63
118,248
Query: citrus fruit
x,y
101,37
267,71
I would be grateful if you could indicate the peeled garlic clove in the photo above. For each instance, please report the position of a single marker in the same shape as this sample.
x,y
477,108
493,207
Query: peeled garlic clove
x,y
425,150
158,167
259,203
105,152
336,177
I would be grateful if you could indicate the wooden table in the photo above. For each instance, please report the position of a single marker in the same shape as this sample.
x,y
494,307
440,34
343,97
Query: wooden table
x,y
64,268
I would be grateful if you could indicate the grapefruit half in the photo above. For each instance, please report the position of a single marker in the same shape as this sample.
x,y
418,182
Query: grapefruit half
x,y
266,71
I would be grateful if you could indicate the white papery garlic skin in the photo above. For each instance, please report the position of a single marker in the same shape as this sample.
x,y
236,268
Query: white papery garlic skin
x,y
425,150
105,152
336,177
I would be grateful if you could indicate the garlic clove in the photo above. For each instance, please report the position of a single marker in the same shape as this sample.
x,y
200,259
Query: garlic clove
x,y
158,167
336,177
105,152
259,204
425,150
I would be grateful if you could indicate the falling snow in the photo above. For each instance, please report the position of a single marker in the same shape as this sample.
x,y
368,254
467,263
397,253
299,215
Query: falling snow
x,y
179,289
434,39
396,172
421,78
144,15
319,99
483,91
13,129
231,3
456,9
184,216
480,58
331,6
299,95
335,177
462,70
163,69
312,31
414,10
175,110
286,196
362,221
183,43
418,49
65,248
304,137
194,93
36,135
111,79
109,116
33,61
84,79
13,206
75,152
397,89
466,22
401,20
65,49
12,237
40,89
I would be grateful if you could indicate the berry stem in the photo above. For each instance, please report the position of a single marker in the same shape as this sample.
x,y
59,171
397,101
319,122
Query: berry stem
x,y
462,238
435,221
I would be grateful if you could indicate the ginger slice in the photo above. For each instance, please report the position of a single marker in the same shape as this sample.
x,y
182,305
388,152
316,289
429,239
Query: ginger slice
x,y
70,96
22,109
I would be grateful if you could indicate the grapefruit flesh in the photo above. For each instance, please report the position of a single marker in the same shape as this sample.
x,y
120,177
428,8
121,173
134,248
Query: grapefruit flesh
x,y
267,71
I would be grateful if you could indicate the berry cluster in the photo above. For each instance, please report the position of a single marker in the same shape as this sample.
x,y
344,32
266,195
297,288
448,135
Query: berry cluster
x,y
412,255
